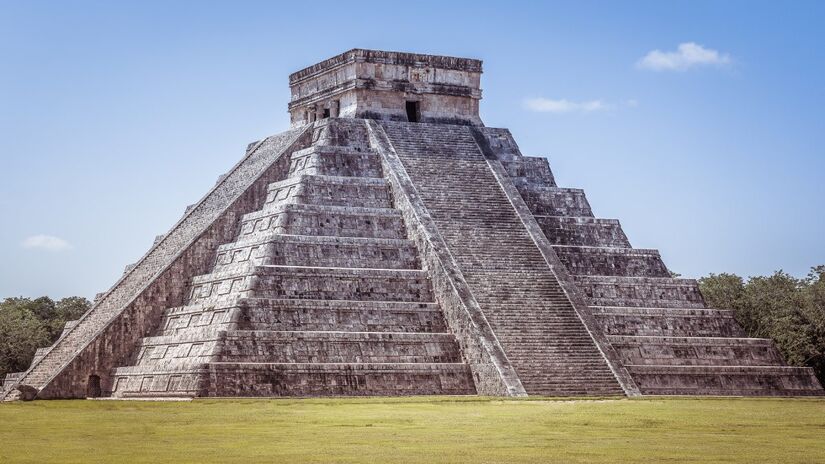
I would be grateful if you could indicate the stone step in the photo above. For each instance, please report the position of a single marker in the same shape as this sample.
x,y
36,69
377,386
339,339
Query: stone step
x,y
583,231
335,161
317,250
9,379
677,322
337,221
695,351
68,326
611,261
725,380
325,283
640,291
366,192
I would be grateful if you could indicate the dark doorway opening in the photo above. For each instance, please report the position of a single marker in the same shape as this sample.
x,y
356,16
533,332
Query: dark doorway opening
x,y
413,111
93,387
326,113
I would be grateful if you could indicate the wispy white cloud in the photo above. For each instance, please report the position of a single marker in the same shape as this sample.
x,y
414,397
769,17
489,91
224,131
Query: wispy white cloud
x,y
45,242
547,105
687,55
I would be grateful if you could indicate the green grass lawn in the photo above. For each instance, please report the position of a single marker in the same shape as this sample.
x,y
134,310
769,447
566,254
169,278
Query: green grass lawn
x,y
425,430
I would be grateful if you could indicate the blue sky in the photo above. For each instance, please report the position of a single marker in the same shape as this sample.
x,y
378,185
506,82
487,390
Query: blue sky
x,y
116,115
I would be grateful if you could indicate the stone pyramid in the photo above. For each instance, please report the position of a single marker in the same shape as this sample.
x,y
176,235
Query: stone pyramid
x,y
391,244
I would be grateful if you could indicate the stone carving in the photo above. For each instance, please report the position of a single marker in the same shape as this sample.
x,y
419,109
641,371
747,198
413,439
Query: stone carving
x,y
390,244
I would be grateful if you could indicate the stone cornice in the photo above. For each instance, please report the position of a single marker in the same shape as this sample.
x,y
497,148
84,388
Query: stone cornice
x,y
384,57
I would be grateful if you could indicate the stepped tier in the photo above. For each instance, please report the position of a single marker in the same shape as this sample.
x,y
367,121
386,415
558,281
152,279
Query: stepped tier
x,y
554,201
311,379
664,292
354,316
295,250
297,347
341,284
336,221
676,322
538,328
606,261
726,380
338,347
365,192
335,161
220,313
225,379
289,379
695,351
583,231
531,169
305,315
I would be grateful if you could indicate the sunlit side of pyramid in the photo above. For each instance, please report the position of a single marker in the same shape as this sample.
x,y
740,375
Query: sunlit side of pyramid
x,y
391,244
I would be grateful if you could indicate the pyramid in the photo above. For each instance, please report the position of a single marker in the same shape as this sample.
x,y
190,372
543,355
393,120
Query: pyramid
x,y
389,243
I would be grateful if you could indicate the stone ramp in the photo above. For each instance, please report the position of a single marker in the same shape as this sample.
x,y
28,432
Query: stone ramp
x,y
659,326
536,324
321,293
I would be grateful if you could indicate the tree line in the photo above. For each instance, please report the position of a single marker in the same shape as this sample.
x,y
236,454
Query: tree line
x,y
789,310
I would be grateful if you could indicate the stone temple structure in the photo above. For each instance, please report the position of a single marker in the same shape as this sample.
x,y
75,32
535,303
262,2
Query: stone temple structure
x,y
391,244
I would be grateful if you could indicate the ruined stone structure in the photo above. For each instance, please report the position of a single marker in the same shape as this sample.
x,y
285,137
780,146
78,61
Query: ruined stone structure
x,y
390,244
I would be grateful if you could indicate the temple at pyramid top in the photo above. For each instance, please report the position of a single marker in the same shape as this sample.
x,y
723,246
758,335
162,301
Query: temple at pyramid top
x,y
394,86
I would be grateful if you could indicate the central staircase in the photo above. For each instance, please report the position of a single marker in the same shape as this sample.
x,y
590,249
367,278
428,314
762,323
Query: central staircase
x,y
321,294
536,324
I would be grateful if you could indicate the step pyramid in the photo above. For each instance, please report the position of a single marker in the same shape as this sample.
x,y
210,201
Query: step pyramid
x,y
391,244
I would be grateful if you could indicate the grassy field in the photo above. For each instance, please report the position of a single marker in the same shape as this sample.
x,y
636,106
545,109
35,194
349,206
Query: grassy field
x,y
425,430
